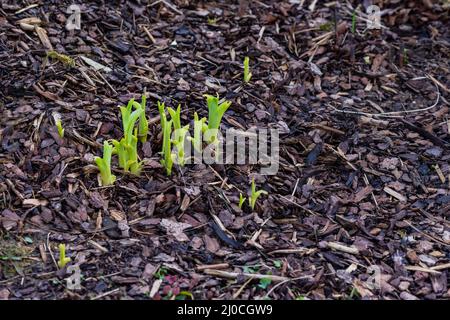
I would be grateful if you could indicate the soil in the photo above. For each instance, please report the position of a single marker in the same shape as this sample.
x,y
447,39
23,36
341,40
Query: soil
x,y
360,205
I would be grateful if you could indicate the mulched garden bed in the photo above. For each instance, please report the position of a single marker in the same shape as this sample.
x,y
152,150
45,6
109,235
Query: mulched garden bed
x,y
361,195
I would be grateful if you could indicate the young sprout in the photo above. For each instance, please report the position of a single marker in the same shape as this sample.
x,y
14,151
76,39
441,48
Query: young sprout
x,y
178,142
405,56
57,118
354,22
162,114
215,114
255,194
179,134
168,157
104,165
63,260
212,21
175,115
126,148
143,122
247,73
241,200
199,128
133,163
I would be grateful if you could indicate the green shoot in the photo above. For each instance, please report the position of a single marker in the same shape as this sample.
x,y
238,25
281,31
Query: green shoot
x,y
175,115
264,283
215,114
354,22
133,163
57,118
247,73
212,21
241,200
162,114
168,157
126,148
104,165
63,260
199,128
179,139
129,120
143,122
255,194
180,133
405,56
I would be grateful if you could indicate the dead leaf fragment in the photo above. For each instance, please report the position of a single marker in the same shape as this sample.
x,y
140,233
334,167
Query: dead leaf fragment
x,y
175,229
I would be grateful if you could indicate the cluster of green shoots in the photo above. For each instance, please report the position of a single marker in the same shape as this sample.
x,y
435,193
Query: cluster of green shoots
x,y
204,130
178,140
253,196
126,147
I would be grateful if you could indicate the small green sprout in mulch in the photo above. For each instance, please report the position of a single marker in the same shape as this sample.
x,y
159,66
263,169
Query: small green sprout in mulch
x,y
179,134
277,264
354,22
241,200
255,195
167,156
247,73
57,119
405,58
104,165
161,273
326,26
199,128
251,269
183,295
212,21
63,260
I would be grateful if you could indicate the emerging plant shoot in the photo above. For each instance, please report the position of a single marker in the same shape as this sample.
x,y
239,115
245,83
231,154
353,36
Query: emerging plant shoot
x,y
143,122
63,260
247,73
57,118
255,195
104,165
199,128
126,148
168,157
241,200
215,114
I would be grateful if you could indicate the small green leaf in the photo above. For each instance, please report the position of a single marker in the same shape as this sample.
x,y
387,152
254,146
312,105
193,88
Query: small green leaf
x,y
264,283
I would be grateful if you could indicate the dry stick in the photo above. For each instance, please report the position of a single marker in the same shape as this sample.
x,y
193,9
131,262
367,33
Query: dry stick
x,y
283,282
212,266
426,234
394,114
234,275
241,288
50,250
106,294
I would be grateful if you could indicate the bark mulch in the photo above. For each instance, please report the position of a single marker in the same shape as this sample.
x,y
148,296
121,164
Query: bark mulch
x,y
359,208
